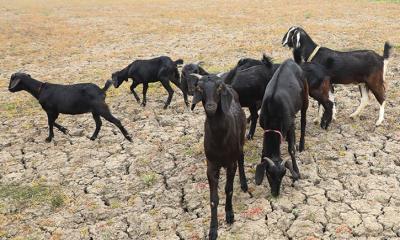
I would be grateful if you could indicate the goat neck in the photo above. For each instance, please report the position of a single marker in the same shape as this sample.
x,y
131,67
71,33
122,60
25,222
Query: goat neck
x,y
307,46
33,86
219,123
271,146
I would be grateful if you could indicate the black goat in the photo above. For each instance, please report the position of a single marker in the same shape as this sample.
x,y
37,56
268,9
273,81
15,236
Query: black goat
x,y
363,67
285,95
188,82
249,78
224,128
161,69
67,99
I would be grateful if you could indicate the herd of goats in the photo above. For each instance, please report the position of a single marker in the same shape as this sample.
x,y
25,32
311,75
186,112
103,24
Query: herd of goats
x,y
278,91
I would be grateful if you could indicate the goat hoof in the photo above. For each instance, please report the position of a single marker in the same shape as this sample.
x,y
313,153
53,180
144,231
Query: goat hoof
x,y
229,217
187,104
213,234
92,138
316,120
48,139
64,130
165,107
128,138
143,104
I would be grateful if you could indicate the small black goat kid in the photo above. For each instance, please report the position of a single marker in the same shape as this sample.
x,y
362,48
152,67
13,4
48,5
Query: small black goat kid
x,y
363,67
161,69
285,95
67,99
224,128
188,82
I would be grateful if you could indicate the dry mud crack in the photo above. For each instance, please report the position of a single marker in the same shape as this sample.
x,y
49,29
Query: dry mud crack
x,y
156,186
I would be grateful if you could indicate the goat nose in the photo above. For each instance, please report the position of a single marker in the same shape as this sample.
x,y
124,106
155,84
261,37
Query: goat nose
x,y
210,105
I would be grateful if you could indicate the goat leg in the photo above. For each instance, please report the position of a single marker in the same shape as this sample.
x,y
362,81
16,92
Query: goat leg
x,y
61,128
144,101
51,118
167,86
254,117
292,166
213,177
242,175
230,176
97,119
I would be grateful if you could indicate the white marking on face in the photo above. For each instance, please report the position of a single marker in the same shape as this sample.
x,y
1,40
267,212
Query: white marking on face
x,y
287,35
298,40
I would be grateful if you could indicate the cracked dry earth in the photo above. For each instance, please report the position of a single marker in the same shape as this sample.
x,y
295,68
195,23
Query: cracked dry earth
x,y
156,186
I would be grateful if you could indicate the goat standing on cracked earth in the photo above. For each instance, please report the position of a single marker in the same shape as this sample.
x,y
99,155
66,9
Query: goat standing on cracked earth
x,y
67,99
224,137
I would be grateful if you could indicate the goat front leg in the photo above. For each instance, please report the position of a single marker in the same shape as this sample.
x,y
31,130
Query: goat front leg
x,y
254,117
230,176
213,178
61,128
51,118
318,118
294,169
242,175
327,117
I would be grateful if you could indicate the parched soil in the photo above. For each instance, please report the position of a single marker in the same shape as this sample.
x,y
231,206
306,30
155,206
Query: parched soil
x,y
156,186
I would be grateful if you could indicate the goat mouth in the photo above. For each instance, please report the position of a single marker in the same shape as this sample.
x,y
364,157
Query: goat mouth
x,y
116,85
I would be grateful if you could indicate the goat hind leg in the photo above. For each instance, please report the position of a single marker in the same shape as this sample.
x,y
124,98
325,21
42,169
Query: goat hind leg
x,y
230,175
106,114
61,128
170,91
97,119
51,118
363,102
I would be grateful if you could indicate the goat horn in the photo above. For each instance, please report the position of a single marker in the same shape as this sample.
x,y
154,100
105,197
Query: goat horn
x,y
269,161
199,63
196,75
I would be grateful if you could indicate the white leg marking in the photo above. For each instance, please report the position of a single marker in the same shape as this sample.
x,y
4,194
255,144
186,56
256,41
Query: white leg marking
x,y
381,113
318,118
363,102
332,99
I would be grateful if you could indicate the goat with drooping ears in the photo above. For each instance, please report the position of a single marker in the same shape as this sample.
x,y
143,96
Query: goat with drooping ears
x,y
224,128
363,67
160,69
188,82
285,95
67,99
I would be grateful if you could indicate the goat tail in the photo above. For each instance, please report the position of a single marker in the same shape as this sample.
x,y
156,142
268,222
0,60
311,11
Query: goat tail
x,y
387,50
267,61
179,62
107,86
386,54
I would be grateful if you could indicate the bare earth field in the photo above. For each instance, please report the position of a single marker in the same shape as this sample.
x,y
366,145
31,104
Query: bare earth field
x,y
156,186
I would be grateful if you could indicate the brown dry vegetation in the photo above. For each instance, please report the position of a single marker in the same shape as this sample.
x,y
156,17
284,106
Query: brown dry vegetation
x,y
75,188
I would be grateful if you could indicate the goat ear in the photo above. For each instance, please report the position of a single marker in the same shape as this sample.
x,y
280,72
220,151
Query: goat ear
x,y
197,97
297,56
226,98
260,172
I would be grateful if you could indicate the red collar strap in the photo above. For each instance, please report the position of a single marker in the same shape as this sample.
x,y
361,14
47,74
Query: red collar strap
x,y
277,132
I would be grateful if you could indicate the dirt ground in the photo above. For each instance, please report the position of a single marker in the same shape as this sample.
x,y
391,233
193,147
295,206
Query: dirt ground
x,y
156,186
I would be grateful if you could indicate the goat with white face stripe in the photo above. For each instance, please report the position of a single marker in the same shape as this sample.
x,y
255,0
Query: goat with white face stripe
x,y
363,67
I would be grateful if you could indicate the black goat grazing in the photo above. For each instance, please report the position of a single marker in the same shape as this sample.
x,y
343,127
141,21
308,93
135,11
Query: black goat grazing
x,y
188,82
363,67
249,78
67,99
161,69
285,95
224,128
